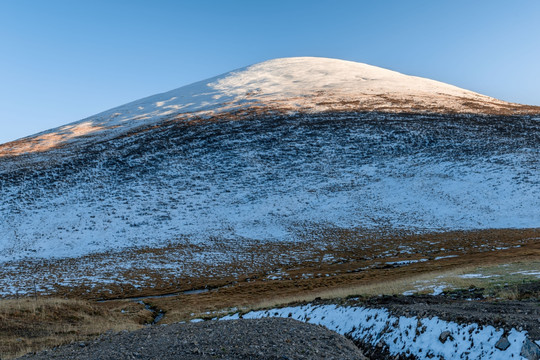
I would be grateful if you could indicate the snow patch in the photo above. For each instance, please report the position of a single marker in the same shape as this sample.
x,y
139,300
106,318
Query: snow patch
x,y
477,276
445,257
404,335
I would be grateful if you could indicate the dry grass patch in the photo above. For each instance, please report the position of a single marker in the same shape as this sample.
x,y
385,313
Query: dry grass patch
x,y
343,280
184,266
28,325
500,281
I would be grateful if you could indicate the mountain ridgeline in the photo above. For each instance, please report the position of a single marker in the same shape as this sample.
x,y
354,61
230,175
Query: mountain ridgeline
x,y
268,153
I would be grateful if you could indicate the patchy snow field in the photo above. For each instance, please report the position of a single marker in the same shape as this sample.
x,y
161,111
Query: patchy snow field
x,y
268,153
270,180
278,179
424,338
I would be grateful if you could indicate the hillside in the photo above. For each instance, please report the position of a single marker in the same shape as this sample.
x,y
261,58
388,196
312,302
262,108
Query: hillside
x,y
318,183
272,155
280,86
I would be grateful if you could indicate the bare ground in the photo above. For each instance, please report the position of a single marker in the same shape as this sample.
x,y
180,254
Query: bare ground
x,y
236,339
327,257
346,268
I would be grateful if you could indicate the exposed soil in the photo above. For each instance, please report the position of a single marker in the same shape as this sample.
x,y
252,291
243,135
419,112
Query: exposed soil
x,y
506,314
339,275
464,307
328,258
333,268
237,339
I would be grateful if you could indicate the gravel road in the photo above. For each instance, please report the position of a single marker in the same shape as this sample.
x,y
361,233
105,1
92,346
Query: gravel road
x,y
236,339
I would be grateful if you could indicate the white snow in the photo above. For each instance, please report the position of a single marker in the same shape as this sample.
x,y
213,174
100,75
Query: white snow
x,y
438,290
290,78
436,287
299,83
404,335
477,276
405,262
247,186
403,193
445,257
528,273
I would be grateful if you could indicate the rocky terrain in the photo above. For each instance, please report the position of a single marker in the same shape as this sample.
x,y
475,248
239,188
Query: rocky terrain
x,y
272,339
437,327
278,182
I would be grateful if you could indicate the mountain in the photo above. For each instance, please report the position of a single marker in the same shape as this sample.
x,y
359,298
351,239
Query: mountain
x,y
280,86
277,152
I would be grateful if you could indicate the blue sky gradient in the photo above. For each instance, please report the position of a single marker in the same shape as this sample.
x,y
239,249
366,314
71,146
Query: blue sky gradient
x,y
61,61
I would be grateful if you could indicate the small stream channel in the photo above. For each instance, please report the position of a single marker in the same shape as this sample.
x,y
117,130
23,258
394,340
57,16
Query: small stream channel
x,y
158,314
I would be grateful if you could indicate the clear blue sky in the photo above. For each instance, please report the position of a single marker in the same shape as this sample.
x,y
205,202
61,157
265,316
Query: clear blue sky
x,y
61,61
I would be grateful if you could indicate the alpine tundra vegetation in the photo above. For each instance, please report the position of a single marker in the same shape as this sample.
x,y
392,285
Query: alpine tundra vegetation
x,y
315,183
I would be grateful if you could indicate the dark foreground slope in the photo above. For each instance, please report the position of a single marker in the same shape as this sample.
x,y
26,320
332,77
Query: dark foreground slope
x,y
237,339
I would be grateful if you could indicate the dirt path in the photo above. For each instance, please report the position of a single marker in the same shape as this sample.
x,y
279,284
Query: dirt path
x,y
238,339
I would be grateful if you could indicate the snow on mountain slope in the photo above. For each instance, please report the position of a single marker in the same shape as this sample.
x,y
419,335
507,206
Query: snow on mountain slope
x,y
322,144
288,85
267,179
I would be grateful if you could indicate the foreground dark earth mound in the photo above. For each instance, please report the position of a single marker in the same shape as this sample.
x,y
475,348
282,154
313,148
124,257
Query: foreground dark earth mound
x,y
237,339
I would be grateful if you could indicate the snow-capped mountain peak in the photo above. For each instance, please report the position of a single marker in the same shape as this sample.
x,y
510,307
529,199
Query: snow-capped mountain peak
x,y
287,85
290,150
